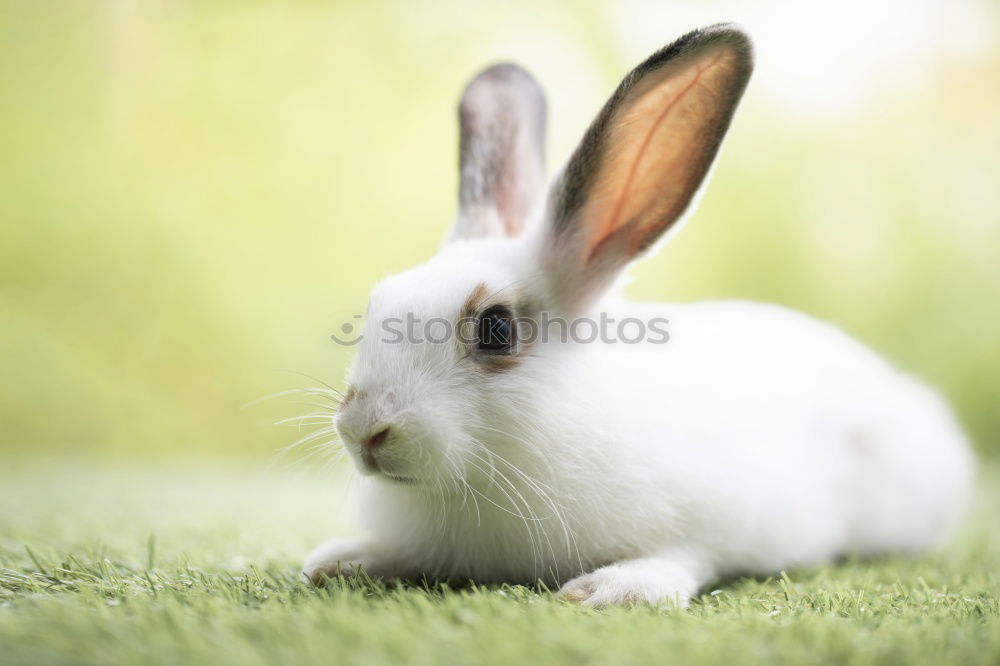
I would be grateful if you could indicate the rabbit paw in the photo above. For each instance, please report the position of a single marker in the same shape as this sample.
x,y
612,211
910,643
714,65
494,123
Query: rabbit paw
x,y
652,581
338,557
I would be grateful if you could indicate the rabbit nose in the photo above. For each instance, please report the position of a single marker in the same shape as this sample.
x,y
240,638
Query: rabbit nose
x,y
375,440
368,446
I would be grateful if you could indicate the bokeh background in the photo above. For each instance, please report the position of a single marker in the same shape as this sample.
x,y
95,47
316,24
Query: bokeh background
x,y
194,195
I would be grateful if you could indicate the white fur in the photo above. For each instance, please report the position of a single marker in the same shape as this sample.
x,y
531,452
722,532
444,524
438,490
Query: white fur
x,y
756,439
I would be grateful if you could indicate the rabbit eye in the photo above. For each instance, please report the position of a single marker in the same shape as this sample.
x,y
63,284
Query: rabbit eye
x,y
496,331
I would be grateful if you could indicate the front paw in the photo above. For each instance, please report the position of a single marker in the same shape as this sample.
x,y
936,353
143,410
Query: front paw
x,y
338,557
630,583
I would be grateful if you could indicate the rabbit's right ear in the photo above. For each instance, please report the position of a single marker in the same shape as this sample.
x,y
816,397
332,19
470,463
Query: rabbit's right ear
x,y
642,161
501,153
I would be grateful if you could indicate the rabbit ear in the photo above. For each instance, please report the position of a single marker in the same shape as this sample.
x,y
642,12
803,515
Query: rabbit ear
x,y
642,160
501,152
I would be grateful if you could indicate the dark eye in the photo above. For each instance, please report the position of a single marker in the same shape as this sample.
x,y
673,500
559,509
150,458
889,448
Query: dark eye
x,y
496,331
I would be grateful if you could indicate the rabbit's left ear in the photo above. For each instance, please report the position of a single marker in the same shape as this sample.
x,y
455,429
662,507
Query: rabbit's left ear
x,y
642,161
501,153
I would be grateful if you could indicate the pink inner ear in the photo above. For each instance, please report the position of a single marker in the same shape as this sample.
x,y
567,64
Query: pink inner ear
x,y
663,146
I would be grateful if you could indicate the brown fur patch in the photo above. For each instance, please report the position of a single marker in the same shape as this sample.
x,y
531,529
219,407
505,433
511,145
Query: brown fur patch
x,y
348,396
498,362
475,299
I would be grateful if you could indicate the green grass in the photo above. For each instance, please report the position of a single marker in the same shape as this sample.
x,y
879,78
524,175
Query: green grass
x,y
192,566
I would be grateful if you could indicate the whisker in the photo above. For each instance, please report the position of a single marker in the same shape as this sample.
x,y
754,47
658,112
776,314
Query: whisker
x,y
528,521
540,489
315,379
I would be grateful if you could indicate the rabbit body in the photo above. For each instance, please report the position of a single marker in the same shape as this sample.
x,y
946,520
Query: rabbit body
x,y
749,439
754,439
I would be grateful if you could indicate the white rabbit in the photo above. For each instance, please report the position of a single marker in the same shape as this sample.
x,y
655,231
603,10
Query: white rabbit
x,y
753,440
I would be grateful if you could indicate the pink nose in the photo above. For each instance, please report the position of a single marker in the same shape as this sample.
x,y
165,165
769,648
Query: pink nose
x,y
374,441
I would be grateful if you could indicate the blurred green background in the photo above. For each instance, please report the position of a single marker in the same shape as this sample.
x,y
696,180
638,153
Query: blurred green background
x,y
196,194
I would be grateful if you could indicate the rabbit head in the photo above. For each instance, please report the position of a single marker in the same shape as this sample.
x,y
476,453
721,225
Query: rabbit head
x,y
452,350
